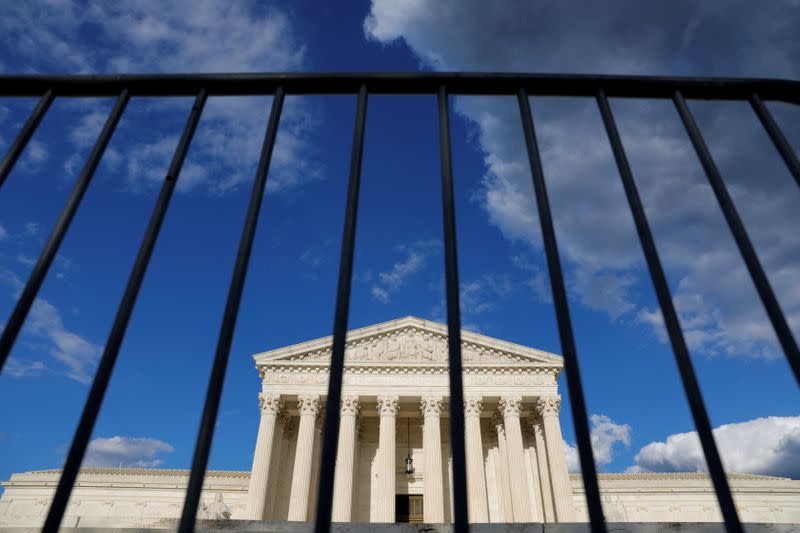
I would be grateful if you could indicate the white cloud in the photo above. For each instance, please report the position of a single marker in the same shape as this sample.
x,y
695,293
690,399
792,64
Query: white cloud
x,y
31,228
23,368
34,156
76,353
415,258
316,254
478,297
3,233
63,266
88,129
126,451
25,260
36,152
147,164
131,36
380,294
399,272
604,434
603,291
481,295
183,36
603,263
538,281
769,446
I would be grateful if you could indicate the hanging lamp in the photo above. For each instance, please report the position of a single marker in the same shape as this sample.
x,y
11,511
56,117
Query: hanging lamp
x,y
409,458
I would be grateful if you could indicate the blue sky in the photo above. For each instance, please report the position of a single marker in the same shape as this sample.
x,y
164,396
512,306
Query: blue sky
x,y
640,417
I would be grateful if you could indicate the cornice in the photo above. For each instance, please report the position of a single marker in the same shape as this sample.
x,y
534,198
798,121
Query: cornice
x,y
411,368
677,476
242,474
320,348
106,472
135,471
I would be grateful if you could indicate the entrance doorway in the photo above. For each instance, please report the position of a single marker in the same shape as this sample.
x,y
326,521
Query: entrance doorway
x,y
408,508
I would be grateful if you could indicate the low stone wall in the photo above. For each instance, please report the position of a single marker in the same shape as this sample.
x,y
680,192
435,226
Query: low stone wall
x,y
213,526
146,498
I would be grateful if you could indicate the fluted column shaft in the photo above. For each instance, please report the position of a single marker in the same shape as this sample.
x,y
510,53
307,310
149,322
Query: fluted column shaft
x,y
270,406
549,407
534,485
283,433
345,460
533,477
546,489
316,460
308,405
510,406
503,481
387,409
476,477
433,487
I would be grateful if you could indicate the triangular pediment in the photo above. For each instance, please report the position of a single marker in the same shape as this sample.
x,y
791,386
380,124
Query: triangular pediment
x,y
409,340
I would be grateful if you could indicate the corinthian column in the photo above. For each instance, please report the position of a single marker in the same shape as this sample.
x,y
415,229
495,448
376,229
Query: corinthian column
x,y
559,476
387,409
520,502
308,405
476,478
345,460
503,477
433,488
270,405
534,484
280,456
316,463
545,488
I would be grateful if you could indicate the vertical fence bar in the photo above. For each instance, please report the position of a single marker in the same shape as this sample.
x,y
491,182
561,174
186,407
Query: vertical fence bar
x,y
569,352
453,321
776,135
330,430
39,272
25,134
217,378
684,362
740,235
104,370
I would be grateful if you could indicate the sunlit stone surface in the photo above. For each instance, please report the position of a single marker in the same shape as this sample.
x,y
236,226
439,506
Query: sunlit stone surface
x,y
395,403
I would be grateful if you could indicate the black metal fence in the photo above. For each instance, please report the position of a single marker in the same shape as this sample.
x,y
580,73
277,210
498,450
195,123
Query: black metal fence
x,y
442,85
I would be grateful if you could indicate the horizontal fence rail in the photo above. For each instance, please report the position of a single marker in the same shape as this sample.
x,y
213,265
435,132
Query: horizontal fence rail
x,y
459,83
442,86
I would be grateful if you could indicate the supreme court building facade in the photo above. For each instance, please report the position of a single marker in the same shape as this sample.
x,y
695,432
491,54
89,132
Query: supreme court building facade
x,y
395,403
393,460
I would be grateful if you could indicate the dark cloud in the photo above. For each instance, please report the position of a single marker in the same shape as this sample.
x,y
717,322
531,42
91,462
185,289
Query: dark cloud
x,y
719,308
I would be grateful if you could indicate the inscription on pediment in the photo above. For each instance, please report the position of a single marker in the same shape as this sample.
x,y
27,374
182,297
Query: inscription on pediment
x,y
409,345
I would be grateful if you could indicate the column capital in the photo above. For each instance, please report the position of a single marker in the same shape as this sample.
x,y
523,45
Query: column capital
x,y
431,406
308,404
388,405
549,405
270,403
350,406
511,405
473,405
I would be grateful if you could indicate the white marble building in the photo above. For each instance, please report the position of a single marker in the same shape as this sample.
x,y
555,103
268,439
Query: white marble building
x,y
395,405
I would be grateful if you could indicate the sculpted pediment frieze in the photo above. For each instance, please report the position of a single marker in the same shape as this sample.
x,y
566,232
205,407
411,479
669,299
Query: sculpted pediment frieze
x,y
408,345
